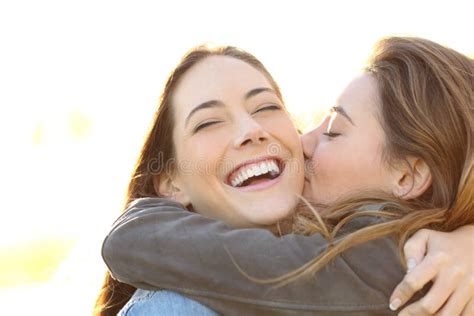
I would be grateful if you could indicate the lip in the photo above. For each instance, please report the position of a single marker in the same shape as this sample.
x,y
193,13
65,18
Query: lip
x,y
259,186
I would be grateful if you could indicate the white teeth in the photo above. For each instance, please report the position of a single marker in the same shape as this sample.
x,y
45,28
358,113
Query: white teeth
x,y
269,167
255,170
274,167
249,173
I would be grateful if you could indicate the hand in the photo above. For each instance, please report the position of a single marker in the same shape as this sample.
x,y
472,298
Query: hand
x,y
447,259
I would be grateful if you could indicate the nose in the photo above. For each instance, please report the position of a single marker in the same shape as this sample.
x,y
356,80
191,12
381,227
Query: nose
x,y
309,141
250,132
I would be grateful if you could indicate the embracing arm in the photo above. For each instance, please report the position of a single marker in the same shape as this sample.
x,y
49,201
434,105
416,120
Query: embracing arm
x,y
158,244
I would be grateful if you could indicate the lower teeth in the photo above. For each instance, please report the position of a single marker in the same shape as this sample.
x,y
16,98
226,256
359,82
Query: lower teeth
x,y
269,176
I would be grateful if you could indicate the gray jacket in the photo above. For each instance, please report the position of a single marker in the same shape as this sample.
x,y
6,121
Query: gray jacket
x,y
157,244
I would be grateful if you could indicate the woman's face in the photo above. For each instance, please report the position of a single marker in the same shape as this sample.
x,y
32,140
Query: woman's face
x,y
239,157
346,149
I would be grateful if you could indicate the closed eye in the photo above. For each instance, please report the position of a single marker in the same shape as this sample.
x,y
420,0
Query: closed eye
x,y
331,134
272,107
204,125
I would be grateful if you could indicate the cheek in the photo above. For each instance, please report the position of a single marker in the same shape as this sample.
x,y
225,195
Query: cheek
x,y
337,162
348,165
281,127
199,158
330,162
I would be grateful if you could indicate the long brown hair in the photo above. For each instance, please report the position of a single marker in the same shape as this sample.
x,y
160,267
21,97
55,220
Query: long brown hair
x,y
157,156
427,111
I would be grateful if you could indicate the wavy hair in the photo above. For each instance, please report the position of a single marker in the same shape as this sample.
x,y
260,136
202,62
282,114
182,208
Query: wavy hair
x,y
426,110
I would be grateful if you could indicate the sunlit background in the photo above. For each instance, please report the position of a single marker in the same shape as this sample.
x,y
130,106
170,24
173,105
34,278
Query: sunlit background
x,y
79,83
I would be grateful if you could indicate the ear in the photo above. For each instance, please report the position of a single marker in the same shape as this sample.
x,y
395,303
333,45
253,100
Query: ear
x,y
412,178
165,186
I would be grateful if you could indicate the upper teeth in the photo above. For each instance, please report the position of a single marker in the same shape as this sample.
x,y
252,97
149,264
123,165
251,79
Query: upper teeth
x,y
254,170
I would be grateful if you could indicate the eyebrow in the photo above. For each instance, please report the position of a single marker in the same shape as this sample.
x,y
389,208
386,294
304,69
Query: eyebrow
x,y
256,91
205,105
341,111
217,103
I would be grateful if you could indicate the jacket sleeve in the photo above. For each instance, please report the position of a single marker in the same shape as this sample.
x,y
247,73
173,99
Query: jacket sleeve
x,y
158,244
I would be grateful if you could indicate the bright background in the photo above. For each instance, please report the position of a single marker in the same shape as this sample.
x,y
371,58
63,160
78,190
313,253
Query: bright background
x,y
79,83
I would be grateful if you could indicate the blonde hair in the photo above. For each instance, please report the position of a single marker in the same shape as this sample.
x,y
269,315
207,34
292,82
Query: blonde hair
x,y
426,96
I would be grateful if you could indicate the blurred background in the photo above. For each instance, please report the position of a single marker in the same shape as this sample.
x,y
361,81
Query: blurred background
x,y
80,81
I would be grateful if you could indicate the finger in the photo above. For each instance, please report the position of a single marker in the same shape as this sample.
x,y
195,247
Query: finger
x,y
415,248
438,294
410,311
414,281
458,301
469,309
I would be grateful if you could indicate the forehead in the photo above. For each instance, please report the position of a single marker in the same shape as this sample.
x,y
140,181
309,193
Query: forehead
x,y
360,97
217,78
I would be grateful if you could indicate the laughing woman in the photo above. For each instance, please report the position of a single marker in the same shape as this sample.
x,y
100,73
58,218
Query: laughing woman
x,y
394,157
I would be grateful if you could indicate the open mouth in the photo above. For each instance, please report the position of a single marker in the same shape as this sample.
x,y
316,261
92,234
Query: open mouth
x,y
256,172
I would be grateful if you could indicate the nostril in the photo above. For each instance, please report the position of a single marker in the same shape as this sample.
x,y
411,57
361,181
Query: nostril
x,y
247,141
253,140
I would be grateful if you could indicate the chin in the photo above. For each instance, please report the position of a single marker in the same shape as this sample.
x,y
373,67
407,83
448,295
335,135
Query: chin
x,y
257,218
277,211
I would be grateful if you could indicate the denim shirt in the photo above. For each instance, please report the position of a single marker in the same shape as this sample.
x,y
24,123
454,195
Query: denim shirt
x,y
163,302
157,244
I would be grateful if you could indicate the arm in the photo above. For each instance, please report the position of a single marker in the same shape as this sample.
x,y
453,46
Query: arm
x,y
157,243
